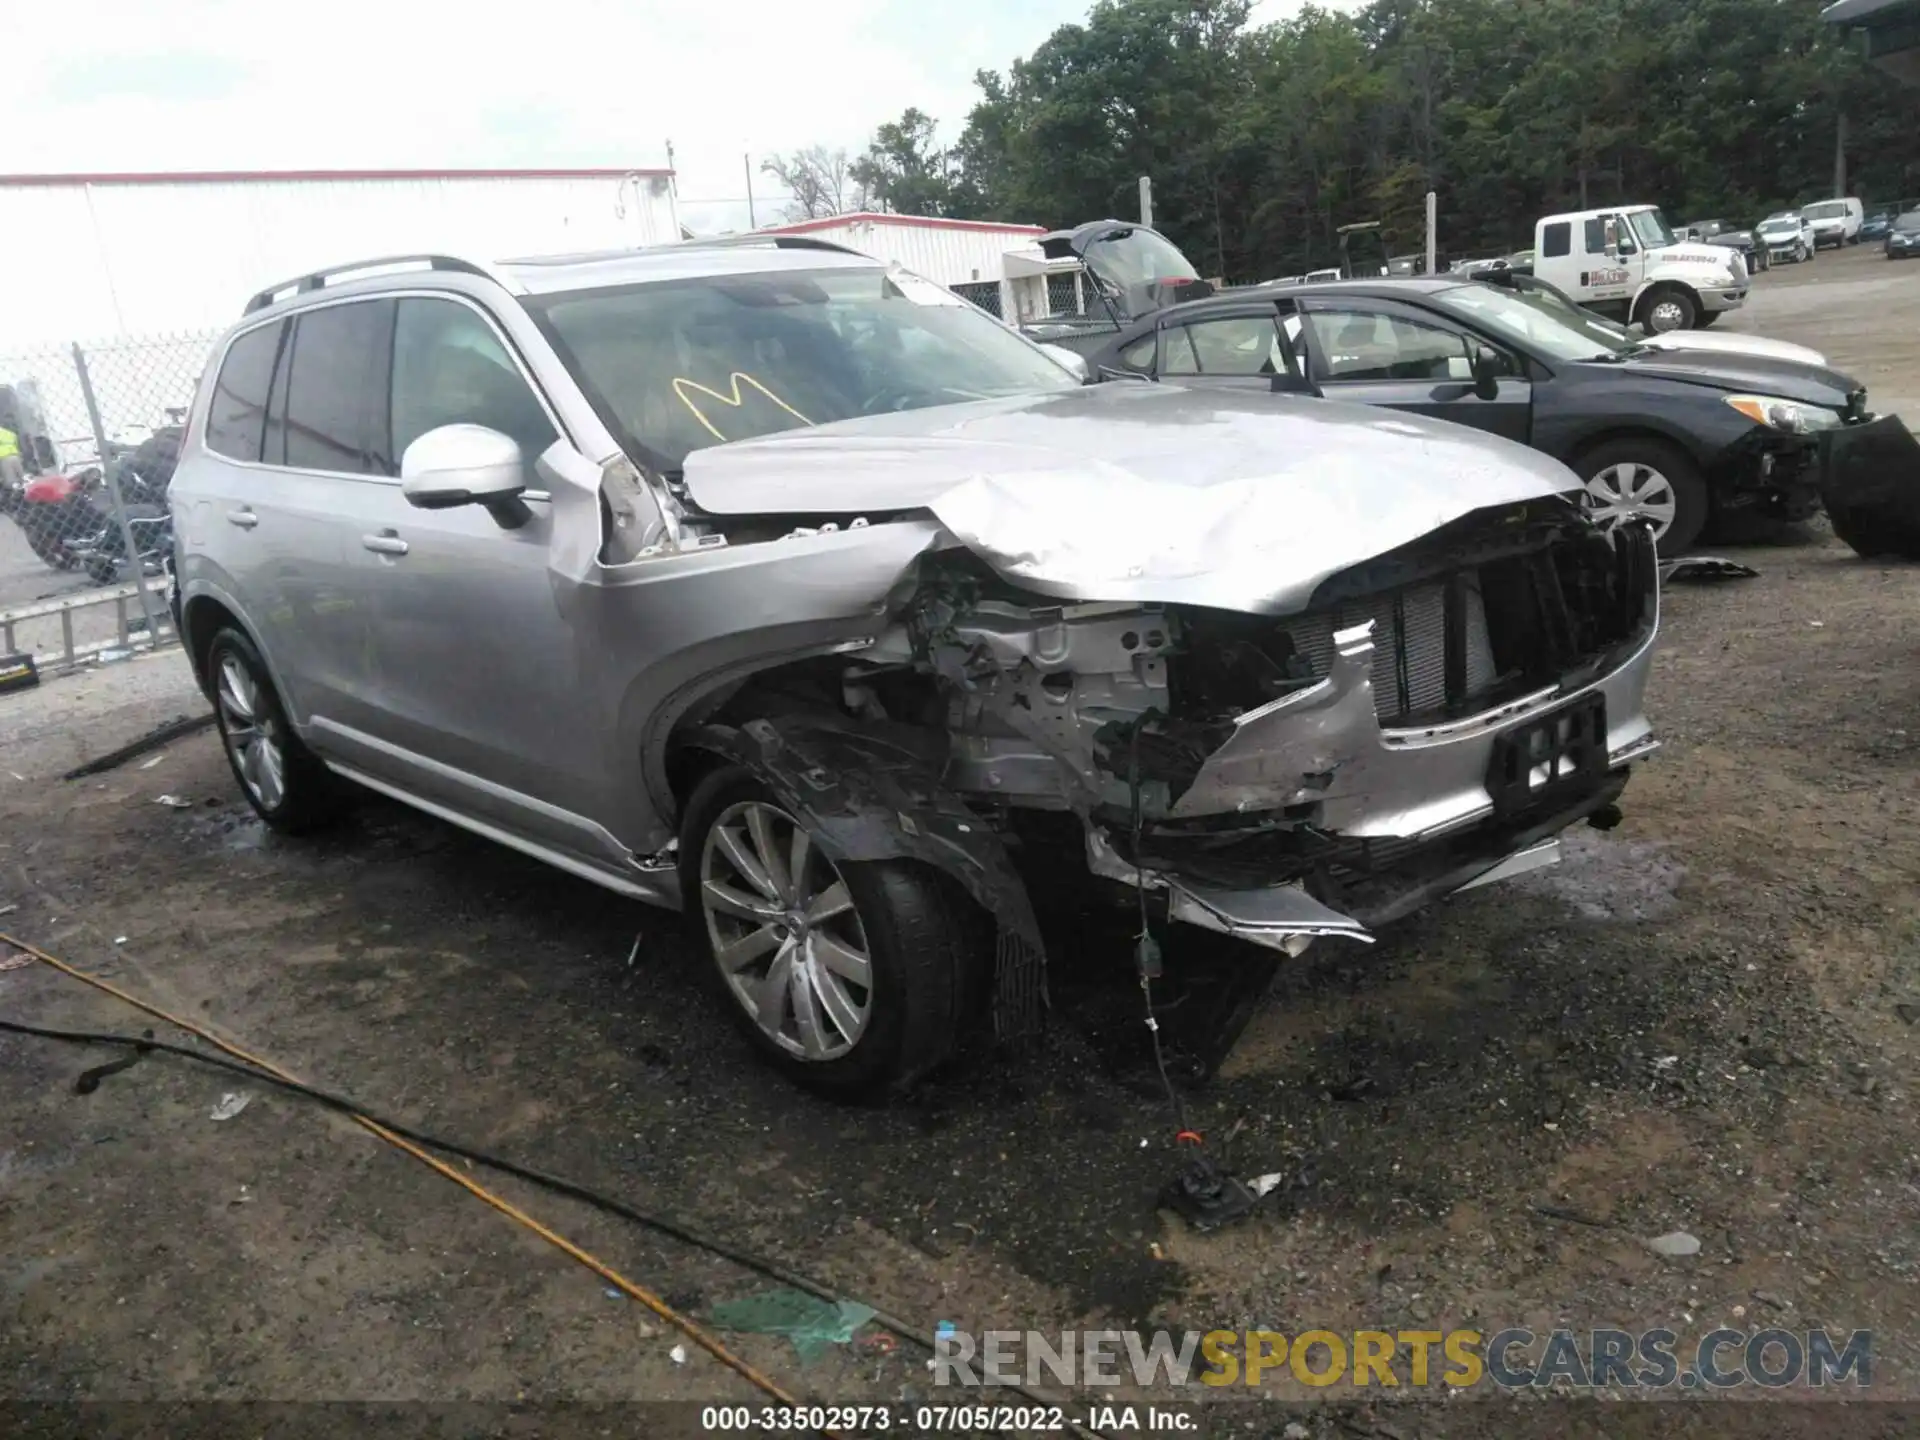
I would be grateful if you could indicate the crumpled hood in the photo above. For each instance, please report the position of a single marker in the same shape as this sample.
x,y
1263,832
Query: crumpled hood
x,y
1242,500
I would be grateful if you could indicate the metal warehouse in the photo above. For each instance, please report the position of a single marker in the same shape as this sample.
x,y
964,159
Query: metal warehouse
x,y
86,256
997,266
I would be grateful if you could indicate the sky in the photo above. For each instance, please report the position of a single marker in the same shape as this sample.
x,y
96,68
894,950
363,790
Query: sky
x,y
129,85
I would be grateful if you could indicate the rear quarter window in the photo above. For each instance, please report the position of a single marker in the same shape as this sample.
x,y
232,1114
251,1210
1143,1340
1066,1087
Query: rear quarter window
x,y
238,411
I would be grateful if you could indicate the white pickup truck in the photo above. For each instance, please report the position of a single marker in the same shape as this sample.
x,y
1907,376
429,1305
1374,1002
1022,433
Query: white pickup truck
x,y
1625,262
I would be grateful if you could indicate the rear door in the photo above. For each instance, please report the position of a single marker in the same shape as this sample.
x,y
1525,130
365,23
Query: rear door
x,y
1237,349
324,445
1384,352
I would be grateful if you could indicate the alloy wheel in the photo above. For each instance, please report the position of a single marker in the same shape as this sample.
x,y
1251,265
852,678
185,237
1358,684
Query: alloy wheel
x,y
1630,491
252,740
785,933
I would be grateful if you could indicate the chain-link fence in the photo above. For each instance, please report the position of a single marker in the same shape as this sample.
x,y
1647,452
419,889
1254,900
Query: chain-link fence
x,y
984,293
86,532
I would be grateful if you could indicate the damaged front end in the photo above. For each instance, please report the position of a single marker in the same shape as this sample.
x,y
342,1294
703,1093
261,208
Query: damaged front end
x,y
1427,721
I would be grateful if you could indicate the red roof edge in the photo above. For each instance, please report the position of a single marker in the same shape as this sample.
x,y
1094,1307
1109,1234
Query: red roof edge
x,y
801,227
232,177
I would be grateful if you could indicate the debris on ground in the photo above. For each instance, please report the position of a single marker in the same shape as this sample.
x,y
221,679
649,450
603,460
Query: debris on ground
x,y
230,1105
810,1323
678,1354
173,802
1675,1243
149,764
161,735
1702,568
15,961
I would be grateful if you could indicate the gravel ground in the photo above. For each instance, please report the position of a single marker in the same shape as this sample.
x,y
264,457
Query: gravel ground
x,y
1702,1022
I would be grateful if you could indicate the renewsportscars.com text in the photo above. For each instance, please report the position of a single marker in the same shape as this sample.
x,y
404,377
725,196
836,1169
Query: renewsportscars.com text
x,y
1418,1359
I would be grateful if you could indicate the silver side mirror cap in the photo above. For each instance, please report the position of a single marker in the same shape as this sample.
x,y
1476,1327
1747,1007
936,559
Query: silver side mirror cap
x,y
455,465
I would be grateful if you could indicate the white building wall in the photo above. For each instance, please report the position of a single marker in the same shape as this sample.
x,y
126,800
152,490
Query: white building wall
x,y
84,261
946,252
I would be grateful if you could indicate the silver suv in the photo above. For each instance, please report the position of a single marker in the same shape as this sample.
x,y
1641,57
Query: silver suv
x,y
769,579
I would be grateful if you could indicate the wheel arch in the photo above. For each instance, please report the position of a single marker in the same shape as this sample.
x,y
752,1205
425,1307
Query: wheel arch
x,y
1649,292
1640,430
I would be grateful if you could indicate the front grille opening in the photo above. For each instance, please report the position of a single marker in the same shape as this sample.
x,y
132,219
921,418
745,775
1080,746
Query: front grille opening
x,y
1443,647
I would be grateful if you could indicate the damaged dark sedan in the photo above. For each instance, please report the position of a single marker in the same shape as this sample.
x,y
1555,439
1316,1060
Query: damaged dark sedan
x,y
1671,437
768,581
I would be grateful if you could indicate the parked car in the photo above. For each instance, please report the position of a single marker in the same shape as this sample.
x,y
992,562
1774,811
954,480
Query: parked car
x,y
1732,237
1876,225
1834,222
1787,235
1670,437
1626,263
1521,260
1903,238
770,580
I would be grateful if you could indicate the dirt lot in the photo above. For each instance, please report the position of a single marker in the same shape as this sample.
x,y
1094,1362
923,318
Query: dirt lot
x,y
1704,1021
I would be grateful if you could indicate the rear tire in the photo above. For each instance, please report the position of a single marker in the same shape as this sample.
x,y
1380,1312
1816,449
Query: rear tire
x,y
1639,475
283,781
917,943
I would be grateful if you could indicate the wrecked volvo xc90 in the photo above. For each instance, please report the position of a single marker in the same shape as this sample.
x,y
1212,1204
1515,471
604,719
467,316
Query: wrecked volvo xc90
x,y
766,580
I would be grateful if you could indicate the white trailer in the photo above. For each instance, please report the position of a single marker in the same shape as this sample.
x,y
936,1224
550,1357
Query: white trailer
x,y
85,257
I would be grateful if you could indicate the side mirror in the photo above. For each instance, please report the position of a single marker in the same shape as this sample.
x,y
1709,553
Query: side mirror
x,y
1486,374
467,465
1071,360
1291,382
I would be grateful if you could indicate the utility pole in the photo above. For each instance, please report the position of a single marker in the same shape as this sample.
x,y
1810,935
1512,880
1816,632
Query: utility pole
x,y
1433,230
747,161
1840,156
1146,201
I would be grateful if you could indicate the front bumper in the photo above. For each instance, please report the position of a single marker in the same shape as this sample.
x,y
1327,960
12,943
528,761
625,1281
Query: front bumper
x,y
1409,815
1718,301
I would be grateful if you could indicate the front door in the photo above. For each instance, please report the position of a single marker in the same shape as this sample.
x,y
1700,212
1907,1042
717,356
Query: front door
x,y
1381,352
482,703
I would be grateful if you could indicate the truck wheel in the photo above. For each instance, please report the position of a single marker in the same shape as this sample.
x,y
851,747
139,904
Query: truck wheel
x,y
852,979
1638,477
1667,307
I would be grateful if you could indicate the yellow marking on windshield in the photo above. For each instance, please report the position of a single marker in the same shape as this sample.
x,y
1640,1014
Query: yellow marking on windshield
x,y
732,398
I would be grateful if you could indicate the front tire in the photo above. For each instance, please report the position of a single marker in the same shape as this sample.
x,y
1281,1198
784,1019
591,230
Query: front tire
x,y
851,979
283,781
1667,309
1638,477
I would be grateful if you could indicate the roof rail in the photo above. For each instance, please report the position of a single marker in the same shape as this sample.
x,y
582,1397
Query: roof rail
x,y
317,280
779,242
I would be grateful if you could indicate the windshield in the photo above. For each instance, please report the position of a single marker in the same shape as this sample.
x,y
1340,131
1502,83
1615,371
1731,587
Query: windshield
x,y
1650,227
1908,223
1538,320
1781,222
676,366
1134,256
1826,210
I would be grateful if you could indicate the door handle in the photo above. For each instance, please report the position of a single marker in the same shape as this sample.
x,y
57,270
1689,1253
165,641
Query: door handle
x,y
243,517
387,542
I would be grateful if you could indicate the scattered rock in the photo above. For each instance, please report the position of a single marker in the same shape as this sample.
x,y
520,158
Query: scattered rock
x,y
1675,1243
1295,1431
1766,1297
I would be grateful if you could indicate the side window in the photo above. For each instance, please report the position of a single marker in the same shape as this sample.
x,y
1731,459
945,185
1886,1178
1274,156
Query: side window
x,y
1596,235
1355,345
1139,355
336,405
1234,345
1557,240
238,411
450,368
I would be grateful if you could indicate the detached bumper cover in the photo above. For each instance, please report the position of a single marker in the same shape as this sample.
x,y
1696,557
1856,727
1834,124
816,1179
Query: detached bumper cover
x,y
1871,486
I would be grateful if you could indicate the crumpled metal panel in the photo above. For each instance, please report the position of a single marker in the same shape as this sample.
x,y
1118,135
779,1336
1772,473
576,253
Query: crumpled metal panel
x,y
1243,501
